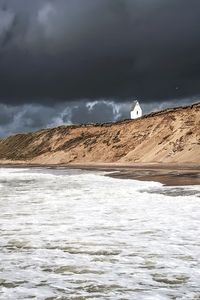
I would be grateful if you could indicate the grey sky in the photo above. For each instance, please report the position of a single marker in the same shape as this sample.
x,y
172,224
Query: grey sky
x,y
59,53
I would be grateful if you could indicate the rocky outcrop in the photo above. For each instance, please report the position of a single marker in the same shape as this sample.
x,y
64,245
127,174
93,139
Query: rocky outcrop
x,y
170,136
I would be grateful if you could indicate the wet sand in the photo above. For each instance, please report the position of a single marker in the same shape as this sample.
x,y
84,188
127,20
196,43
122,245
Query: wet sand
x,y
167,174
167,177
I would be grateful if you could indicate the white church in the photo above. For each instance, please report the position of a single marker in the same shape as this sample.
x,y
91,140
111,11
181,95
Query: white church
x,y
136,110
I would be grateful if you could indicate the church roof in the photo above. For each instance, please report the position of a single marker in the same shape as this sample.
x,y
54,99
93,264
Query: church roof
x,y
134,104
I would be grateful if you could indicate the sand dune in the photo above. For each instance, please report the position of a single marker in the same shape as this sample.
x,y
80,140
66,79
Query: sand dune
x,y
170,136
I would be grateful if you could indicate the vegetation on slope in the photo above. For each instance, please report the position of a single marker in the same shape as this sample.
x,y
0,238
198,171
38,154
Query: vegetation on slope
x,y
172,135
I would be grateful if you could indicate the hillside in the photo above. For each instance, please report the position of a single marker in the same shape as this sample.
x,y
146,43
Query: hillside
x,y
170,136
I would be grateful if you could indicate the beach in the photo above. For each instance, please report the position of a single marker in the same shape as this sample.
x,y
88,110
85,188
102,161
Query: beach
x,y
167,174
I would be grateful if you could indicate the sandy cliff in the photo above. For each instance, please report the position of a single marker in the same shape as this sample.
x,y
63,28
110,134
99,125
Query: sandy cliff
x,y
170,136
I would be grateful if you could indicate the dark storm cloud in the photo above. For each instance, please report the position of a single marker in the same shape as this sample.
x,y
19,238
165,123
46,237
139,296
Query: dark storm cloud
x,y
97,112
92,49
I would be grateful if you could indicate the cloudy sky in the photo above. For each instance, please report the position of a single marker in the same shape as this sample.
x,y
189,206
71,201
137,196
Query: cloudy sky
x,y
74,61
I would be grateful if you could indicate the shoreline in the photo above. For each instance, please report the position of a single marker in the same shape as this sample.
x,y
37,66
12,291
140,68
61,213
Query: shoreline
x,y
168,174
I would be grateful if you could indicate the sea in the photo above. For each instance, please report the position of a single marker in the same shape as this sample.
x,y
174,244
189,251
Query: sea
x,y
74,234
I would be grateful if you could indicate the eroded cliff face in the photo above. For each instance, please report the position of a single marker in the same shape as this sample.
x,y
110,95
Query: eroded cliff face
x,y
170,136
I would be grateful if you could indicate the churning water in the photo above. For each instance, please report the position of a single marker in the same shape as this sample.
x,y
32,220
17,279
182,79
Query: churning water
x,y
80,235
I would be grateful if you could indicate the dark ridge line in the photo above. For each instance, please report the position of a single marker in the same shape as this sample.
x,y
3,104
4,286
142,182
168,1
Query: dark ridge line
x,y
108,124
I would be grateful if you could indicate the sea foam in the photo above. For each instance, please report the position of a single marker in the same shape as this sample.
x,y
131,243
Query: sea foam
x,y
70,233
